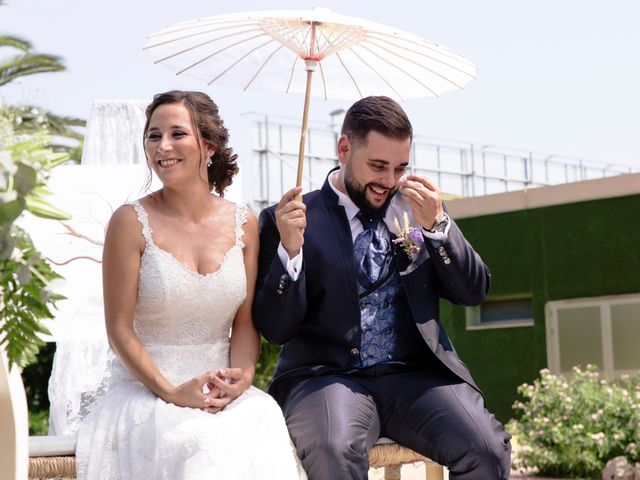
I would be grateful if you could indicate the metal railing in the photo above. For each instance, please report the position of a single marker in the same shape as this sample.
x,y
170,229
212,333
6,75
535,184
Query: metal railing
x,y
458,168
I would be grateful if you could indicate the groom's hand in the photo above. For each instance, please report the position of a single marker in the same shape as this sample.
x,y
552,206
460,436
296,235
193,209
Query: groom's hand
x,y
291,220
424,198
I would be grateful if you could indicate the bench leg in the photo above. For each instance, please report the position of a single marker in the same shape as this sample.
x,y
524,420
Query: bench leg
x,y
392,472
434,471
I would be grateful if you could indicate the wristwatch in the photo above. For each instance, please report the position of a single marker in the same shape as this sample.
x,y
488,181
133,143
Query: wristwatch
x,y
440,224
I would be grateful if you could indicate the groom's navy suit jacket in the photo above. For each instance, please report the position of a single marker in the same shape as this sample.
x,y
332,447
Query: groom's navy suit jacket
x,y
317,317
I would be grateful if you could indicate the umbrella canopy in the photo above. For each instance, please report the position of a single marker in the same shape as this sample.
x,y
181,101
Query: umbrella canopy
x,y
270,50
281,50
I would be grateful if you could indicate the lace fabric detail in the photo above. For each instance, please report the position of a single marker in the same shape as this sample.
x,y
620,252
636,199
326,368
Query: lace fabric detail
x,y
184,319
168,289
147,231
122,120
178,363
72,397
241,219
143,218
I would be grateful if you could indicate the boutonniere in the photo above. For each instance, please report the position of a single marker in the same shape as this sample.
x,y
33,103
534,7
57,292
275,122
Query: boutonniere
x,y
408,237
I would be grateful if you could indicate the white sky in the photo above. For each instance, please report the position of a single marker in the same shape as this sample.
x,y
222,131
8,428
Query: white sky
x,y
555,76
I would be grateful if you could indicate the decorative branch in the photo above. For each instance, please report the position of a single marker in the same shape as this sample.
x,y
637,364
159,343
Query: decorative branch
x,y
73,232
79,257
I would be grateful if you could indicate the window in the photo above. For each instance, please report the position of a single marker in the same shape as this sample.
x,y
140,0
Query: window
x,y
603,331
500,313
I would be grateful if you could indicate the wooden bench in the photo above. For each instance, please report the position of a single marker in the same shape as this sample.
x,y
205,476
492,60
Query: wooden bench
x,y
52,457
391,456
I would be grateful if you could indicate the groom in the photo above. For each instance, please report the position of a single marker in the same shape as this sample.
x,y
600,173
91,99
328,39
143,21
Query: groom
x,y
354,302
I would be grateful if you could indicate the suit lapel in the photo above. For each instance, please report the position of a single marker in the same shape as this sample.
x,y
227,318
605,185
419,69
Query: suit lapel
x,y
339,231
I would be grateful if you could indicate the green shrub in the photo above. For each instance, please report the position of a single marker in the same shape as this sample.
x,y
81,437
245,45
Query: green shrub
x,y
570,427
35,377
266,364
38,423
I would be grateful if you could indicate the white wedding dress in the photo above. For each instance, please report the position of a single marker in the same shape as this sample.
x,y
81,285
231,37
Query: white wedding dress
x,y
183,318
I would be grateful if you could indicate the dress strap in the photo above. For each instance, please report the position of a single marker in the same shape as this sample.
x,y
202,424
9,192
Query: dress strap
x,y
241,219
143,218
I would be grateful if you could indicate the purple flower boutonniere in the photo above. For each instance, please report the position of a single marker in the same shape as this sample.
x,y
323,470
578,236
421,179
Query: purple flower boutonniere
x,y
408,237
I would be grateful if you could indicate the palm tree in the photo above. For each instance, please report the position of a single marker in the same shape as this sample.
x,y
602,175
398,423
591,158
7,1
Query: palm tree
x,y
26,62
29,119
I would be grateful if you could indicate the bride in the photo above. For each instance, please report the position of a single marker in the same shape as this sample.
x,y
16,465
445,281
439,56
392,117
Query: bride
x,y
179,270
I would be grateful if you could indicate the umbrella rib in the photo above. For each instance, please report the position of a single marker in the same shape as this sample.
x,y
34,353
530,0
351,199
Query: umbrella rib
x,y
419,42
423,55
377,73
410,60
349,73
240,59
344,39
147,47
324,83
180,27
211,55
262,66
328,40
293,68
400,70
306,31
285,33
333,45
175,54
302,30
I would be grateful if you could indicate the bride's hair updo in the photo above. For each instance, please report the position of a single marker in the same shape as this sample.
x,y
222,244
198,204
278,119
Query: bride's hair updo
x,y
208,127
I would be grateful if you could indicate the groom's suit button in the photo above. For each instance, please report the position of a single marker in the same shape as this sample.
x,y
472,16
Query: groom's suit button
x,y
282,283
444,255
354,352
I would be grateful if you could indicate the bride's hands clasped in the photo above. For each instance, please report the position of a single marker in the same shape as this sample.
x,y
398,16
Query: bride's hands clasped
x,y
192,394
231,382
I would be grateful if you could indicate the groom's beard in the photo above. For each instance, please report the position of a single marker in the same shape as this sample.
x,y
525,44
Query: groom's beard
x,y
357,193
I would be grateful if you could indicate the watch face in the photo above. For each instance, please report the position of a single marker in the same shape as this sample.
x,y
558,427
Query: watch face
x,y
441,224
440,227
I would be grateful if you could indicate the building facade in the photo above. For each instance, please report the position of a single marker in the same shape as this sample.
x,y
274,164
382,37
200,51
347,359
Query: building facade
x,y
565,263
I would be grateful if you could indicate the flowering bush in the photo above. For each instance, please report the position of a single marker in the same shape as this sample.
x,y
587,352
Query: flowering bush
x,y
571,426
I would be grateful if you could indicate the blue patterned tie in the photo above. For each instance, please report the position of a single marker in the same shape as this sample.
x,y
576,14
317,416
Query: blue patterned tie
x,y
371,252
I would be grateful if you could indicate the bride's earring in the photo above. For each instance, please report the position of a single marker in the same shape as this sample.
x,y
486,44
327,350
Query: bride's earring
x,y
209,162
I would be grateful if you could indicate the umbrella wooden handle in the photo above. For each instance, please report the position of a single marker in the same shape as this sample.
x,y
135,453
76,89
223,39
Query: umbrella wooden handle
x,y
303,133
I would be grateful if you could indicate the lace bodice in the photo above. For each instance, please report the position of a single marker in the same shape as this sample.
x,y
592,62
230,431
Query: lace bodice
x,y
183,318
177,306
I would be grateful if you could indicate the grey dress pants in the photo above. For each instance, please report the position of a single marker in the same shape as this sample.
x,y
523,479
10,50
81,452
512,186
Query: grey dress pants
x,y
334,420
